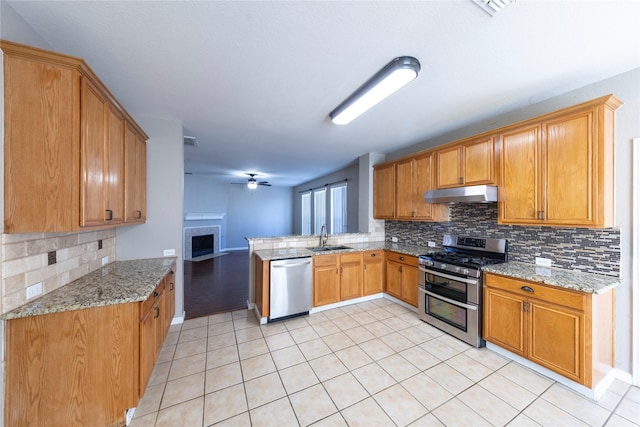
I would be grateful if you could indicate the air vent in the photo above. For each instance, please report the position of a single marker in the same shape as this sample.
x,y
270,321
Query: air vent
x,y
190,141
493,6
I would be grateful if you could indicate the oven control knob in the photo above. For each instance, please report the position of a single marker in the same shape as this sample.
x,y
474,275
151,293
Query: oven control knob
x,y
443,266
429,263
458,269
465,271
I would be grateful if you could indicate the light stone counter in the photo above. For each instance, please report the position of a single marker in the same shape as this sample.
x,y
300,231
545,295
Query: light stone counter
x,y
288,253
116,283
583,282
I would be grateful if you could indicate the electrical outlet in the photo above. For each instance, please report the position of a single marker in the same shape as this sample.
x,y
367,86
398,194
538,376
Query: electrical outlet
x,y
282,244
543,262
34,290
105,260
168,252
394,239
431,244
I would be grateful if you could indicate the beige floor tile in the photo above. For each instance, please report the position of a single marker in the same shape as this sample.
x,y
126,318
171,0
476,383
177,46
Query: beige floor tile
x,y
241,314
316,318
412,319
148,420
397,309
428,392
245,322
380,313
396,323
353,357
454,343
272,329
546,414
401,407
166,354
224,404
376,349
222,377
347,322
160,373
275,414
187,366
629,409
183,389
352,309
359,334
396,341
295,323
416,334
303,334
249,334
345,390
609,400
334,420
523,421
190,348
374,378
334,313
242,420
325,328
619,387
327,367
150,402
298,377
378,329
488,358
286,357
580,407
449,378
314,349
456,413
420,358
252,348
439,349
192,334
263,390
278,341
618,421
427,421
257,366
398,367
367,414
172,338
195,323
338,341
219,318
187,413
219,341
492,408
535,383
633,394
515,395
312,404
364,318
471,369
222,356
175,328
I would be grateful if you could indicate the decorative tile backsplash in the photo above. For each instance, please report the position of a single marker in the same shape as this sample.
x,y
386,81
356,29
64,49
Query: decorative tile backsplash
x,y
580,249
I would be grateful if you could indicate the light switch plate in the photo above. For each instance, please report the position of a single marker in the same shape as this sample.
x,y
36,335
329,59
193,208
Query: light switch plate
x,y
168,252
394,239
543,262
34,290
431,244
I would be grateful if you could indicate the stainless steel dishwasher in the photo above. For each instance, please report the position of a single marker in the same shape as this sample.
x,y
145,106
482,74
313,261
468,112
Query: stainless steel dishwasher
x,y
290,287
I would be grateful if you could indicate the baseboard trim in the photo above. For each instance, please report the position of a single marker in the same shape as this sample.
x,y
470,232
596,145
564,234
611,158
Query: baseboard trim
x,y
345,303
178,320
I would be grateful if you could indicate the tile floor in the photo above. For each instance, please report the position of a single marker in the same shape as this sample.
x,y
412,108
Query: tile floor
x,y
367,364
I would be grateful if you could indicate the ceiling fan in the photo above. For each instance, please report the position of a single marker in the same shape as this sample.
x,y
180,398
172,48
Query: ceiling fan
x,y
252,183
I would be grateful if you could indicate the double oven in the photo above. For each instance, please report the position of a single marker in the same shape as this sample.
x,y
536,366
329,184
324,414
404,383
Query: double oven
x,y
450,285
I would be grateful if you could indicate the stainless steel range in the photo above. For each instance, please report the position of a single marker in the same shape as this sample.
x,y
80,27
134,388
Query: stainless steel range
x,y
450,285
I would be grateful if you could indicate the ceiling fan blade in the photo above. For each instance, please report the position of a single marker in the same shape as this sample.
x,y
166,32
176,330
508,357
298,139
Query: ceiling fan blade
x,y
265,183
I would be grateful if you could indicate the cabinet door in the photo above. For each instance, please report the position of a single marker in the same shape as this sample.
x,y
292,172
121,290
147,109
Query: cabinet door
x,y
410,285
93,164
520,176
170,291
141,180
135,177
393,280
373,272
147,349
569,157
423,182
405,189
448,167
114,177
479,162
326,285
556,339
350,276
384,194
505,321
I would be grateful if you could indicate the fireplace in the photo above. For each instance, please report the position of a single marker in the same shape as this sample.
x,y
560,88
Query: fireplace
x,y
201,241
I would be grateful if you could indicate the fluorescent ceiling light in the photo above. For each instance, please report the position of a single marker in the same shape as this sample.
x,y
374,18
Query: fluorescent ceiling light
x,y
389,79
493,6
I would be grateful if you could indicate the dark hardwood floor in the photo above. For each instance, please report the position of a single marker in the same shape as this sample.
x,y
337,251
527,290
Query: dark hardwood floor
x,y
216,285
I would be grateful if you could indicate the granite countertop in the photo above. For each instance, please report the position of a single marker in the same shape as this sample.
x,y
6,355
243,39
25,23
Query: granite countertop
x,y
568,279
288,253
116,283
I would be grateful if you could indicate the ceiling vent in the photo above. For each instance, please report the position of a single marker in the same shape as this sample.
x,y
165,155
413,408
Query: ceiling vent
x,y
493,6
190,141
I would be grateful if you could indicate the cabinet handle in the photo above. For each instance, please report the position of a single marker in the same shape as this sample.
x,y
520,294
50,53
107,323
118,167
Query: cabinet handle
x,y
541,215
461,180
400,269
171,286
109,215
373,254
401,258
155,294
157,309
527,289
138,214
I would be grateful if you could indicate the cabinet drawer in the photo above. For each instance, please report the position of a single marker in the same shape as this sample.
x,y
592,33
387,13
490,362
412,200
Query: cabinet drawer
x,y
352,257
148,303
370,256
402,258
325,260
541,292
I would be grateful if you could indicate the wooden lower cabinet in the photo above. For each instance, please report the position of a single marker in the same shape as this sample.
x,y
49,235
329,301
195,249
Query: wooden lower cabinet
x,y
152,333
402,277
326,280
373,272
350,276
568,332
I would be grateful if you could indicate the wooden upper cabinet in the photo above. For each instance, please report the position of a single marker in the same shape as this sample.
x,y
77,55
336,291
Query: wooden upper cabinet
x,y
471,162
559,171
135,175
64,144
384,191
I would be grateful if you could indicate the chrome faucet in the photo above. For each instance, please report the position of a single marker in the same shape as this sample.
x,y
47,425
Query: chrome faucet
x,y
323,235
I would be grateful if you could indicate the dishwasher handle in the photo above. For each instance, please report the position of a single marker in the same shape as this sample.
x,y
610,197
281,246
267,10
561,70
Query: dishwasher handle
x,y
300,264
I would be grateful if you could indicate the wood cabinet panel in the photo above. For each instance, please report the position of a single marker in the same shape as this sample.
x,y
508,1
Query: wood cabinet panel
x,y
114,171
449,173
135,176
410,285
262,282
351,276
504,321
384,191
373,272
402,277
326,285
479,161
414,177
393,282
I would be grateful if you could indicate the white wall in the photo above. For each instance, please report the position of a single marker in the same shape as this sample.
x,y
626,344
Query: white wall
x,y
202,194
265,211
163,229
15,29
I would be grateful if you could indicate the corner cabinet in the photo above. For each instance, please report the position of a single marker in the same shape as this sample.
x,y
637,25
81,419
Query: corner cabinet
x,y
469,162
65,158
558,170
553,327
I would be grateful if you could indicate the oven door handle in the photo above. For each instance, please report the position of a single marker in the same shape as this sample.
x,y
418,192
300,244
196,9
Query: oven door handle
x,y
446,276
450,301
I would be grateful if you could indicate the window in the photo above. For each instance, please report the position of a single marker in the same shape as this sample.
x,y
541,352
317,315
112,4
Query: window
x,y
319,210
339,209
319,204
306,213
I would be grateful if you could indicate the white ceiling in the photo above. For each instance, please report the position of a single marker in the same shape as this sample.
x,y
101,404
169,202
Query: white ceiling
x,y
254,81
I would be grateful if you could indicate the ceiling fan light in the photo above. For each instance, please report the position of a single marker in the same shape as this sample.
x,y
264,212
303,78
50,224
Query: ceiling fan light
x,y
393,76
252,184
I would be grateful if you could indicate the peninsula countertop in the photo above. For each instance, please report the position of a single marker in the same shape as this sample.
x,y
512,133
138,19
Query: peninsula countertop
x,y
116,283
568,279
301,252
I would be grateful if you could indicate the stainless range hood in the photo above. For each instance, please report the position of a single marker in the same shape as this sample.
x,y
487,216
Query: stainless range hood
x,y
471,194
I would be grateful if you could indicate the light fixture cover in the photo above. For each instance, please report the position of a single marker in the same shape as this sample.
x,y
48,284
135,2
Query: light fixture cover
x,y
493,6
389,79
252,184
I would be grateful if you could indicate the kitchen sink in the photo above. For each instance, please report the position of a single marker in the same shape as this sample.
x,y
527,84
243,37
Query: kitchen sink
x,y
329,248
